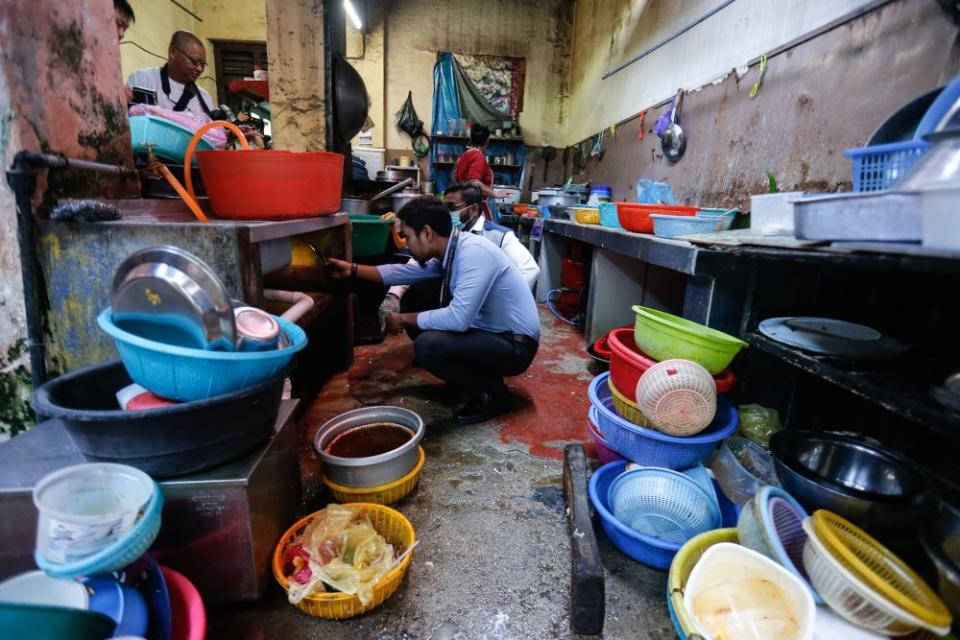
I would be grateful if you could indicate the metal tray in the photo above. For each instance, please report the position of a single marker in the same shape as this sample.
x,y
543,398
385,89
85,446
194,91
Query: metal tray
x,y
883,217
174,296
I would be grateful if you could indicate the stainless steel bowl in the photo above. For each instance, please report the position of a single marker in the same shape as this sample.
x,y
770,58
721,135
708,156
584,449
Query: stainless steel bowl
x,y
879,490
174,297
371,471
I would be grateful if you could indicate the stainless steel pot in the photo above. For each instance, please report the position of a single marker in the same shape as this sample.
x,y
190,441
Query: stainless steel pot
x,y
372,471
397,173
401,199
361,205
567,200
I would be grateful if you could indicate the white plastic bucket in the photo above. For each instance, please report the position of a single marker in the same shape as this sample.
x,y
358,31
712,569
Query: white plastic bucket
x,y
87,507
738,594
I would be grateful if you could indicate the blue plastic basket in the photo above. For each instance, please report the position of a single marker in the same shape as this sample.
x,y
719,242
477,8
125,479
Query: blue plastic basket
x,y
181,373
169,139
653,448
664,504
644,549
119,554
876,168
667,226
608,215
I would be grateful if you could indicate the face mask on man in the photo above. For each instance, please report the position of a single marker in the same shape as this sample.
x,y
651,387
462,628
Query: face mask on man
x,y
455,219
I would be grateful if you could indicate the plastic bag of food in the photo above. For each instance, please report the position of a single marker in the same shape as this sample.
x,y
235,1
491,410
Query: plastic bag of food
x,y
758,423
339,549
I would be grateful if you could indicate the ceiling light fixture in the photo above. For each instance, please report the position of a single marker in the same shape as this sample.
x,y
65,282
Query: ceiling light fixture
x,y
352,13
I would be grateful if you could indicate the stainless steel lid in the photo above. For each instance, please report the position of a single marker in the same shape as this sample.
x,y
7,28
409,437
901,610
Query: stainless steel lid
x,y
174,297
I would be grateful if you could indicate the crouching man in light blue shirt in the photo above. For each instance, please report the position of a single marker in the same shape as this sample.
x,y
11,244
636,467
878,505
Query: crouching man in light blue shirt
x,y
486,326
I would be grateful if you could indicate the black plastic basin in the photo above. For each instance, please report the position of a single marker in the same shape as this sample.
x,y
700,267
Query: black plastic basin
x,y
163,442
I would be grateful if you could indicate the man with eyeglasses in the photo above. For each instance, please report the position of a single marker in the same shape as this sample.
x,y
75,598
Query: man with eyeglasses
x,y
175,83
463,201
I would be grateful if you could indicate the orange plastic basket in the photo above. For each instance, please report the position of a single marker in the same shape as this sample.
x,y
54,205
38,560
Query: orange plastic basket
x,y
635,216
389,523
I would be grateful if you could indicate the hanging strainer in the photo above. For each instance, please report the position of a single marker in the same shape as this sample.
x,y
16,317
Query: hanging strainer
x,y
878,568
663,504
679,397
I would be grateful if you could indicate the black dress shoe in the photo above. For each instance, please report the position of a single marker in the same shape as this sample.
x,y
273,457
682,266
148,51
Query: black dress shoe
x,y
483,407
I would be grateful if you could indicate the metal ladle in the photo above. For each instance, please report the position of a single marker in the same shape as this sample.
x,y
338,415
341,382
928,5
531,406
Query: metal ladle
x,y
674,142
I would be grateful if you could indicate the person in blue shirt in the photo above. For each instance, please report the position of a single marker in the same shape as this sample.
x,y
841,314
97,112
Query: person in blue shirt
x,y
487,325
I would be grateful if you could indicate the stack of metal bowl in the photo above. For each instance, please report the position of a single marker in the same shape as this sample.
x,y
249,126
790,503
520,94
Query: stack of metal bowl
x,y
879,490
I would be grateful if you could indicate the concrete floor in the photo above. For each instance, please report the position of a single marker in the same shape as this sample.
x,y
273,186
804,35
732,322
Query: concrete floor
x,y
493,560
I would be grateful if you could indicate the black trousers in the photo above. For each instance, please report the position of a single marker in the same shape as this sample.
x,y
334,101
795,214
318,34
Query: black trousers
x,y
475,359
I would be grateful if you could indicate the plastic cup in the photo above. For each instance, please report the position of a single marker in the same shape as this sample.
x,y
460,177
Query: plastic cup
x,y
87,507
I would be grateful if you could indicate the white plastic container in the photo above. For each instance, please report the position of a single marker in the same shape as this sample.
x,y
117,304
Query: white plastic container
x,y
87,507
772,213
738,594
940,210
36,587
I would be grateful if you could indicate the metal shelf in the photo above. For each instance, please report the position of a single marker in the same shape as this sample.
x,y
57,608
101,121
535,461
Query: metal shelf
x,y
893,389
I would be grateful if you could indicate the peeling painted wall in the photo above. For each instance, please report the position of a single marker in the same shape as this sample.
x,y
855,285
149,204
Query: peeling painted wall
x,y
817,99
220,20
60,90
295,35
728,39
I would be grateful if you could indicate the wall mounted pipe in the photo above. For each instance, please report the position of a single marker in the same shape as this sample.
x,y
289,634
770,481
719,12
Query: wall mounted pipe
x,y
22,178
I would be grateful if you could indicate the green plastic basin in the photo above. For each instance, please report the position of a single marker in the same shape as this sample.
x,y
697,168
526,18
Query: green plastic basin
x,y
663,336
369,234
39,622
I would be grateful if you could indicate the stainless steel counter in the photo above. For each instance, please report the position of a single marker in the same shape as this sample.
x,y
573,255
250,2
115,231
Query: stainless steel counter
x,y
219,526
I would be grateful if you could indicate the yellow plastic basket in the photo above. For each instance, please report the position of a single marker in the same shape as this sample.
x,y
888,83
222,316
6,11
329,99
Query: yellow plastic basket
x,y
627,409
389,523
683,563
587,215
879,568
384,493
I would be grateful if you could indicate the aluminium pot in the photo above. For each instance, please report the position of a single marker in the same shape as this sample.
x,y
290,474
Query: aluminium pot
x,y
562,200
372,471
395,173
403,198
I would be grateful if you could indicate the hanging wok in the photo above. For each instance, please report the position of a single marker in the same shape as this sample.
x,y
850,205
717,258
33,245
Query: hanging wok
x,y
350,98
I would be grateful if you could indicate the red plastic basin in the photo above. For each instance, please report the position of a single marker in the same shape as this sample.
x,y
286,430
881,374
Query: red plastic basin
x,y
634,216
628,363
271,185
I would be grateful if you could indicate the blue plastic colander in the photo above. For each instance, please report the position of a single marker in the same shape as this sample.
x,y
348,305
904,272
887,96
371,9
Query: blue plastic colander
x,y
181,373
663,504
771,523
169,139
652,448
119,554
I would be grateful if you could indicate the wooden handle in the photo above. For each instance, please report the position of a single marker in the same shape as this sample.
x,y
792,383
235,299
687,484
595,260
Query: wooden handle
x,y
587,593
